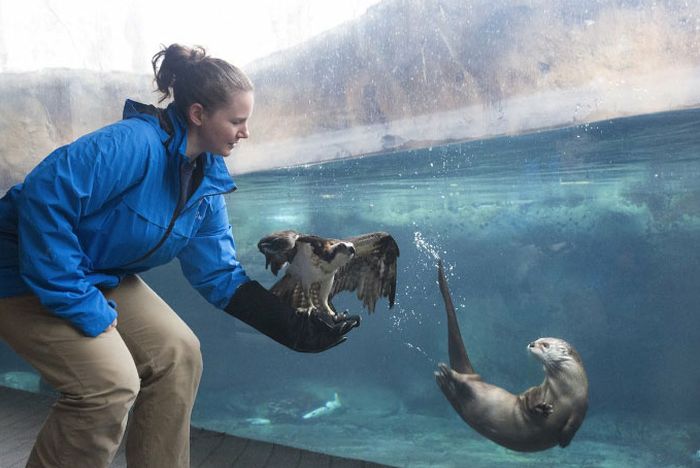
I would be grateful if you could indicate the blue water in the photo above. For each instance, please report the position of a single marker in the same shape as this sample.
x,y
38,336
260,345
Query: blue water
x,y
589,233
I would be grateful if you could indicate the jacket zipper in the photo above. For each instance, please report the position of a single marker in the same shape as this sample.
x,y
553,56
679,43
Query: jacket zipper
x,y
176,214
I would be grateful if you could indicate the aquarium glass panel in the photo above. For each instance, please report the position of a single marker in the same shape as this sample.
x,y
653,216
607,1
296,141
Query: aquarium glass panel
x,y
547,153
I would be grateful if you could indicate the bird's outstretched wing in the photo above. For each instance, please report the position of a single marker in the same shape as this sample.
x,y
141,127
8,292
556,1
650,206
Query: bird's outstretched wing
x,y
372,271
290,291
278,248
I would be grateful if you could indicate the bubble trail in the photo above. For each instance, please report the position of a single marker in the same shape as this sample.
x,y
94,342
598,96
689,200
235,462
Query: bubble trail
x,y
419,350
433,251
424,246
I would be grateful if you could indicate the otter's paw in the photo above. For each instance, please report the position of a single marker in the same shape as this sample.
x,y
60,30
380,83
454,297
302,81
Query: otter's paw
x,y
442,376
545,409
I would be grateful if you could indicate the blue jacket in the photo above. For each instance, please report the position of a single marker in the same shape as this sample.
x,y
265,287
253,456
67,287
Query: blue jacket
x,y
89,212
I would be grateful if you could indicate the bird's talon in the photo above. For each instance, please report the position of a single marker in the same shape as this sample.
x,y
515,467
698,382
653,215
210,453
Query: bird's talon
x,y
342,316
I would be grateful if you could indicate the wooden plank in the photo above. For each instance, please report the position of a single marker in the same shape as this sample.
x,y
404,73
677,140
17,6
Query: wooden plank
x,y
119,460
256,453
29,425
21,416
337,462
202,444
227,453
314,460
16,452
15,406
283,457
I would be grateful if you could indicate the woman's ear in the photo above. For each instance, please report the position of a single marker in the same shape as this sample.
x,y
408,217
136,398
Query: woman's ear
x,y
195,114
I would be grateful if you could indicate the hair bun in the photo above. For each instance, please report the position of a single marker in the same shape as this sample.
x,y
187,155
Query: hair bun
x,y
190,76
170,61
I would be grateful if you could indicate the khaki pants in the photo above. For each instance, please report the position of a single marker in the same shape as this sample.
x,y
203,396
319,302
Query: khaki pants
x,y
151,361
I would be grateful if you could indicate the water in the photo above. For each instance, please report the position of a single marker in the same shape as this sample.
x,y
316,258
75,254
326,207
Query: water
x,y
589,233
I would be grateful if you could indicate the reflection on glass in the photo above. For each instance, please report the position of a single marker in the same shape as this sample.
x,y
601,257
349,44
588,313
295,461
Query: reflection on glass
x,y
488,133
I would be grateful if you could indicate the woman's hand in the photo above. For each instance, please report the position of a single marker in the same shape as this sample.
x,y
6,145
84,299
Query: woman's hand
x,y
306,333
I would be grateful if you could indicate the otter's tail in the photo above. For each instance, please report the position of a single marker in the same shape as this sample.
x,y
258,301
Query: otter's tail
x,y
459,361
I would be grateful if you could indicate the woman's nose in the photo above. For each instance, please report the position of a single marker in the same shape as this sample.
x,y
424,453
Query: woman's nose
x,y
244,132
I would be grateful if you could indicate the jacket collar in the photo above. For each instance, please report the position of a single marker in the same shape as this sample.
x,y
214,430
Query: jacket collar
x,y
172,130
178,138
151,114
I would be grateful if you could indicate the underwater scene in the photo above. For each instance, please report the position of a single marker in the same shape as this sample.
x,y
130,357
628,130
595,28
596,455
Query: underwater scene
x,y
589,233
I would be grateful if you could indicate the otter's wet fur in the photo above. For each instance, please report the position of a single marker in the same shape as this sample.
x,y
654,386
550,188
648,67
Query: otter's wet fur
x,y
537,419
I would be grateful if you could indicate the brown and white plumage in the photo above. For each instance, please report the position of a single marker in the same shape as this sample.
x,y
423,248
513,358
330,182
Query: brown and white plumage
x,y
319,268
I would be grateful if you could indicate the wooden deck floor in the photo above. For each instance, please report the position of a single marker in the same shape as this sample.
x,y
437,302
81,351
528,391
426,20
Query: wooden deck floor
x,y
22,413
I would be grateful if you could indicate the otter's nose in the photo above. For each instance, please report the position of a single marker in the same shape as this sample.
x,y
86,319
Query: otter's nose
x,y
531,345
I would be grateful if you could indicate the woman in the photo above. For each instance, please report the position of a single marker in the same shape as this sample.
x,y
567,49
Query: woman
x,y
93,214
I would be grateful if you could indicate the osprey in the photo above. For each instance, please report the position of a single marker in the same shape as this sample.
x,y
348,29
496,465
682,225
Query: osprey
x,y
319,268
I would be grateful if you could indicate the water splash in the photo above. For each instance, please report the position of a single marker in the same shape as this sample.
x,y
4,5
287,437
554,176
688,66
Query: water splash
x,y
420,351
433,251
424,286
405,316
425,247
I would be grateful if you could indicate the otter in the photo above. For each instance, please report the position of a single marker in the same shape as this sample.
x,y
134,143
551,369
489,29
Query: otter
x,y
537,419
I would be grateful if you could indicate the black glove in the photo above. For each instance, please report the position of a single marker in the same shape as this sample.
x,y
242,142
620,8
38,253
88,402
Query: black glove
x,y
262,310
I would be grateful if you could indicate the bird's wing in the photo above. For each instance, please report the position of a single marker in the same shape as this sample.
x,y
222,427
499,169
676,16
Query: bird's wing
x,y
278,248
290,291
372,271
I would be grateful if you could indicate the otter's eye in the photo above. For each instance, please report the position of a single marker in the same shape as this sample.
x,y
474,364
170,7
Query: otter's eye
x,y
545,344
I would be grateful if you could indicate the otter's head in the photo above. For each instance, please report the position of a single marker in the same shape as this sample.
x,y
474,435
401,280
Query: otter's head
x,y
553,352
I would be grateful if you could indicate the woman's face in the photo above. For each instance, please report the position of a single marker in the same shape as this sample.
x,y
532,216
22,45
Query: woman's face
x,y
220,131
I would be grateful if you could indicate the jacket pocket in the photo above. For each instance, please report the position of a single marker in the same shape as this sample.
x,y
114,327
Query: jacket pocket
x,y
127,234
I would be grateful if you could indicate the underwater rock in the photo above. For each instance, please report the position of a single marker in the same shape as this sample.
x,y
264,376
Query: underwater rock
x,y
47,109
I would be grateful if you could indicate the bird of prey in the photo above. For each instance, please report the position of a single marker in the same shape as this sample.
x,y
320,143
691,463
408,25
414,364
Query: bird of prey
x,y
319,268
